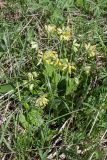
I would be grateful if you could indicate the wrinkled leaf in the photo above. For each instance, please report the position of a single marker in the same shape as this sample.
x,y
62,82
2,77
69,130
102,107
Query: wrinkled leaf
x,y
49,70
23,121
6,88
56,78
35,118
70,86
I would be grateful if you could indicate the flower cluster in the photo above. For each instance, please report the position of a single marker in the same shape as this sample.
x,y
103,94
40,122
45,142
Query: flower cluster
x,y
87,69
66,66
42,101
91,50
34,45
51,57
75,46
29,82
50,28
63,33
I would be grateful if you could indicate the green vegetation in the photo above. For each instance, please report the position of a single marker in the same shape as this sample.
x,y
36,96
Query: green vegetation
x,y
53,79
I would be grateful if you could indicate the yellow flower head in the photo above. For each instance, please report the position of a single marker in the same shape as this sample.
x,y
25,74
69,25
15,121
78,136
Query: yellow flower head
x,y
71,68
42,101
64,33
75,45
34,45
57,63
91,49
50,28
87,69
68,67
35,75
31,86
76,80
64,64
39,57
30,76
50,56
59,31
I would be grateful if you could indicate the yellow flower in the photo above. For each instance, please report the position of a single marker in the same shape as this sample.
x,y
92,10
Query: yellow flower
x,y
57,63
59,31
25,82
87,46
87,69
64,67
76,80
75,45
64,33
30,76
34,45
50,56
68,67
71,68
50,53
48,61
39,57
91,49
50,28
35,75
31,86
65,36
42,101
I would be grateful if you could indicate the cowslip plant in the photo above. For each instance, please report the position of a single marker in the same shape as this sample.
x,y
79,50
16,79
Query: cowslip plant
x,y
59,69
63,33
42,101
31,80
91,50
63,72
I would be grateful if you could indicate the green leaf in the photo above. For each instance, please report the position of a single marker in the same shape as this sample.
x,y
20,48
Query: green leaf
x,y
70,86
49,70
6,88
57,16
35,118
80,3
26,105
61,87
23,121
56,78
